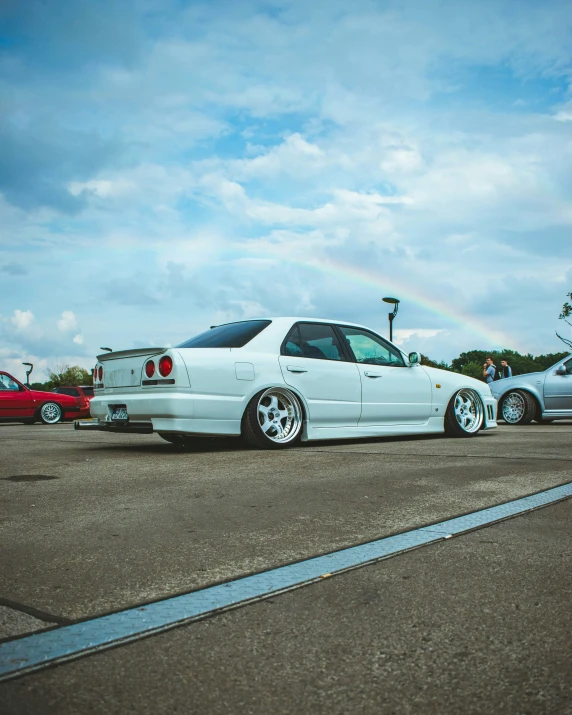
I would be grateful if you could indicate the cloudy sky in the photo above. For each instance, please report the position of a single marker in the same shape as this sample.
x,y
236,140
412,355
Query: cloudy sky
x,y
168,165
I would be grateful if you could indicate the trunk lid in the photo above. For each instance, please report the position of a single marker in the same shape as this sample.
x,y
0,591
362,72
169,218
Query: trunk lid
x,y
124,368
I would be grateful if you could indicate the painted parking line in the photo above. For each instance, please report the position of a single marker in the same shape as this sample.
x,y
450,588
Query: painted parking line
x,y
40,650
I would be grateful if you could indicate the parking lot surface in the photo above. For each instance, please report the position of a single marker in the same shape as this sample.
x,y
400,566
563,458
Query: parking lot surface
x,y
93,523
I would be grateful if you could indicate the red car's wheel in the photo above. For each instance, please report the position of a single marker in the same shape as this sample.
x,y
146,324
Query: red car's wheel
x,y
50,413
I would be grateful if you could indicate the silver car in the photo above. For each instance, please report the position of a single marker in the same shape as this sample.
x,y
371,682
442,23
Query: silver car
x,y
541,396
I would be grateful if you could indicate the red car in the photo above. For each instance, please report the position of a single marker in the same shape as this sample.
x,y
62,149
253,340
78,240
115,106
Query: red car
x,y
19,403
83,395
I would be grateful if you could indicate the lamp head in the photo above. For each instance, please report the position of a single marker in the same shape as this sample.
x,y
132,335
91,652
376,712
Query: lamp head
x,y
109,350
394,301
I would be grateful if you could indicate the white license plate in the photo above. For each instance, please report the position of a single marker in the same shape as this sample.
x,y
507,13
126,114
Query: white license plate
x,y
119,413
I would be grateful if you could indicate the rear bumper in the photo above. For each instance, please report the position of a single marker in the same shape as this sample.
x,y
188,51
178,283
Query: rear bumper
x,y
117,427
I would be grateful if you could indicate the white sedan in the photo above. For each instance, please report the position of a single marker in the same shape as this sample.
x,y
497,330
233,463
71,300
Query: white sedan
x,y
281,380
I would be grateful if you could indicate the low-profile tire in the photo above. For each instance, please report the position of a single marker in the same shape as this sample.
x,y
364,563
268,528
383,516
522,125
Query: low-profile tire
x,y
50,413
273,419
465,414
517,407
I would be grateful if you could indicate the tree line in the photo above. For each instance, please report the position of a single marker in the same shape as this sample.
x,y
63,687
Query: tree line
x,y
471,363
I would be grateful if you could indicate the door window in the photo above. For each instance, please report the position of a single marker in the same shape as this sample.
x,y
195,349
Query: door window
x,y
370,349
6,383
313,340
568,366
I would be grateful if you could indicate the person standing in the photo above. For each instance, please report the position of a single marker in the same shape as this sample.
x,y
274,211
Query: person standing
x,y
489,370
505,369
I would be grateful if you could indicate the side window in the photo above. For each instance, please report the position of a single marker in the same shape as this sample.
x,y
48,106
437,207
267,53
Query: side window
x,y
292,344
6,383
371,349
313,340
72,391
568,366
319,341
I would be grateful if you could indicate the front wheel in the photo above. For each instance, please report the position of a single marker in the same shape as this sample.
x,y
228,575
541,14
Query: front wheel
x,y
273,419
465,414
518,408
50,413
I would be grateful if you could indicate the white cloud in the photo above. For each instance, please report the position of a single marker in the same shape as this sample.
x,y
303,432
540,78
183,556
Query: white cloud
x,y
78,339
22,319
67,322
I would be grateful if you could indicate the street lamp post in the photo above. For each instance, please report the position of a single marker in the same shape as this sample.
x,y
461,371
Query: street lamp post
x,y
391,316
28,372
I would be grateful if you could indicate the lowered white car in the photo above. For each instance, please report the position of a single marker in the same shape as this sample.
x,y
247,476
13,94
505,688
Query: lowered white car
x,y
280,380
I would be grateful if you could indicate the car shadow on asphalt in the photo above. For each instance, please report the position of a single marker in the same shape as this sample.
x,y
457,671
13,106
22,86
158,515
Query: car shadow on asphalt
x,y
234,444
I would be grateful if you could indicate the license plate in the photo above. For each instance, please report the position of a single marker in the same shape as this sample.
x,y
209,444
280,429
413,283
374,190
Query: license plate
x,y
119,413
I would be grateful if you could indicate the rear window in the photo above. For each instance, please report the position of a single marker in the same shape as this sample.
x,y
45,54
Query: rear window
x,y
231,335
87,391
67,391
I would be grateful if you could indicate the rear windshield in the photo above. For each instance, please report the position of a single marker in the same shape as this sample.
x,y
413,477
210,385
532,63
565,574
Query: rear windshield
x,y
87,391
67,391
231,335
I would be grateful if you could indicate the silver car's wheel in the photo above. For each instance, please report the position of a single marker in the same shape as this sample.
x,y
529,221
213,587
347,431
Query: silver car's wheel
x,y
273,419
513,408
518,407
51,413
465,414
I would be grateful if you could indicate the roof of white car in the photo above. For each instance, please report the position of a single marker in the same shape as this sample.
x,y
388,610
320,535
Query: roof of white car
x,y
297,319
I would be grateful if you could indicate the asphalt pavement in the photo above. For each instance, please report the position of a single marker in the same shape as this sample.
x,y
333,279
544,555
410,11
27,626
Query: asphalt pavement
x,y
94,523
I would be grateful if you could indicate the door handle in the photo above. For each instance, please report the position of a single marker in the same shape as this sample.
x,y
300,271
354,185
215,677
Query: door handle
x,y
372,374
294,368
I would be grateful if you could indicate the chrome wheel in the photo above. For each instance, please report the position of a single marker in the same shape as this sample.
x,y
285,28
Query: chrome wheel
x,y
468,410
513,408
50,413
279,415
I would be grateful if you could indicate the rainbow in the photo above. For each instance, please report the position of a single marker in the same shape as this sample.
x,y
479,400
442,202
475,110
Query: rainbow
x,y
494,338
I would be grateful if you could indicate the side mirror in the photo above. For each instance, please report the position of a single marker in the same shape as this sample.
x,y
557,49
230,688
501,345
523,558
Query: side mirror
x,y
414,358
561,370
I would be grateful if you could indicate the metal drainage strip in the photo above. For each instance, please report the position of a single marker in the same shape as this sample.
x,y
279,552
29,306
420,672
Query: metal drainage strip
x,y
42,649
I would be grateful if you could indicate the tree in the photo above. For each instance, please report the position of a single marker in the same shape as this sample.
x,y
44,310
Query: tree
x,y
431,363
64,375
564,315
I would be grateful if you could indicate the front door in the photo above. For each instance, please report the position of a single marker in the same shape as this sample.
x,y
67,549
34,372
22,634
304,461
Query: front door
x,y
15,400
558,388
313,362
392,392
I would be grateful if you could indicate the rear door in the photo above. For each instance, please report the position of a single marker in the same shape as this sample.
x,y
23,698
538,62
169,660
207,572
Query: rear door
x,y
392,392
15,400
558,388
314,362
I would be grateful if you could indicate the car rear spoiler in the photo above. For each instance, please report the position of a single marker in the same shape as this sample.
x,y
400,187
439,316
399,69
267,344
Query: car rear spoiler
x,y
139,352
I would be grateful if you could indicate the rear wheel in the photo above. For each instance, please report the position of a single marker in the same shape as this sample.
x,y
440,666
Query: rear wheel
x,y
518,407
50,413
273,419
465,414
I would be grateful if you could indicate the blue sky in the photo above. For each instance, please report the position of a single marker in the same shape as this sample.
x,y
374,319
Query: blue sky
x,y
166,165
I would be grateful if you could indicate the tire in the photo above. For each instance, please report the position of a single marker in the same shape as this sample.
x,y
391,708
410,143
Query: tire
x,y
273,419
465,414
517,407
50,413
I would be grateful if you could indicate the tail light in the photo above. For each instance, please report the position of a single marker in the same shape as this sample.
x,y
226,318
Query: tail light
x,y
165,366
100,373
149,368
